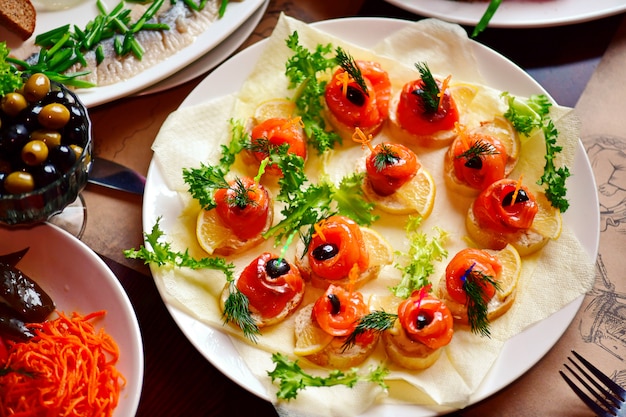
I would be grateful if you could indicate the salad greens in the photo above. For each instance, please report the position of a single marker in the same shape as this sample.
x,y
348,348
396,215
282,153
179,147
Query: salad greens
x,y
291,378
421,255
10,77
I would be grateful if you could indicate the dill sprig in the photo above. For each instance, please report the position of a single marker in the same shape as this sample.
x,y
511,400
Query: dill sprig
x,y
237,311
429,93
377,321
478,148
477,306
241,197
347,62
385,157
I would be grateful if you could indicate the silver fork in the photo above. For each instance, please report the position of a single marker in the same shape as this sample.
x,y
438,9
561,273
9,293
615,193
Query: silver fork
x,y
610,398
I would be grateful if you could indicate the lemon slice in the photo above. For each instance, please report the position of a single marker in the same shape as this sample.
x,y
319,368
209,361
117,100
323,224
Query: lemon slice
x,y
415,196
210,232
379,249
463,95
511,269
278,107
547,221
311,340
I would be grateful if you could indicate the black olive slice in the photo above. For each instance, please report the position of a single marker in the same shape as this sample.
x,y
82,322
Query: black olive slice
x,y
475,162
334,303
355,96
325,251
423,320
277,267
520,198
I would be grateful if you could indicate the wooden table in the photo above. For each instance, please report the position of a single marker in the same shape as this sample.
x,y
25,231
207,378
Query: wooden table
x,y
178,380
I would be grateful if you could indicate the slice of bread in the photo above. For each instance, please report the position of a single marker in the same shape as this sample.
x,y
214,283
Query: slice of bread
x,y
19,17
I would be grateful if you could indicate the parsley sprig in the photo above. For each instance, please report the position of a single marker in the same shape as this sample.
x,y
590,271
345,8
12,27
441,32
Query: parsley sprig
x,y
156,251
303,70
204,181
527,116
292,378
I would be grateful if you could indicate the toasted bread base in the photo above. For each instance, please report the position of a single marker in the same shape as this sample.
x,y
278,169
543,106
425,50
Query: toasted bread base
x,y
525,241
407,353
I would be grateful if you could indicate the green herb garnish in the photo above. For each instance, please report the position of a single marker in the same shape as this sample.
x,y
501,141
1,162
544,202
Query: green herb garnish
x,y
486,17
10,77
204,181
477,306
237,311
430,91
386,157
348,64
478,148
526,117
303,71
292,378
377,321
420,257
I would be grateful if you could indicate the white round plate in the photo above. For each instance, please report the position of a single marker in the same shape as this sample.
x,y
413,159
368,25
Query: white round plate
x,y
78,280
515,13
519,354
213,58
237,13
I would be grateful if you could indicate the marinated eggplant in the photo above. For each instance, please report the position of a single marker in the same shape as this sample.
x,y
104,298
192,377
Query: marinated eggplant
x,y
12,327
23,295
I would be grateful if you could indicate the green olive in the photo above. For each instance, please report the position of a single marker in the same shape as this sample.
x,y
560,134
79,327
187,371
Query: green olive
x,y
34,152
13,103
78,150
18,182
36,87
54,116
51,138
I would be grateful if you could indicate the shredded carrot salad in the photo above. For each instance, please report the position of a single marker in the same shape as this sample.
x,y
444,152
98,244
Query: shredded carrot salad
x,y
66,369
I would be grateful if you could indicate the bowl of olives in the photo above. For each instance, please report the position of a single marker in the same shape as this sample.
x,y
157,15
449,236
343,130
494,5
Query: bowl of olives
x,y
45,150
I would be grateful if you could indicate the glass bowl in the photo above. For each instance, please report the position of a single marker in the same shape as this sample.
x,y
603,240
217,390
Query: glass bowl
x,y
48,200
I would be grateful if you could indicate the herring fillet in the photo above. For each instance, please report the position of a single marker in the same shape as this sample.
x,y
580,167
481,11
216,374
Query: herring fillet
x,y
184,26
